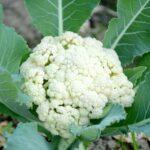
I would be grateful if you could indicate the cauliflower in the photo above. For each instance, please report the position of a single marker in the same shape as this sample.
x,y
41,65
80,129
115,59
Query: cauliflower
x,y
71,79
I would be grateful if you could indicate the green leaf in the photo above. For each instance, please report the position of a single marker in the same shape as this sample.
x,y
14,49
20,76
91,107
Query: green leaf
x,y
115,130
80,145
51,17
1,14
9,96
12,49
145,60
140,109
141,127
5,111
59,143
134,74
64,144
93,132
26,137
129,33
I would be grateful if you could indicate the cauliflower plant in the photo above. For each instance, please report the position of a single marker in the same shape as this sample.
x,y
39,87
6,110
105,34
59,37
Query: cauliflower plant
x,y
71,79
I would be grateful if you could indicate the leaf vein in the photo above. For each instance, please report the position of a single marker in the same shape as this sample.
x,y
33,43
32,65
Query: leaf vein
x,y
129,24
70,3
52,4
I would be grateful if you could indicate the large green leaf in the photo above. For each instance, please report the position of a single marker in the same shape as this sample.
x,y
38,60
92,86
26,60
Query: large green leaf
x,y
129,34
26,137
51,17
134,74
92,132
145,60
141,127
140,109
1,13
12,49
10,97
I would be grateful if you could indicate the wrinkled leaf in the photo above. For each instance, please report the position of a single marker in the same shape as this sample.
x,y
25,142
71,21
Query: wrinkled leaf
x,y
51,16
93,132
12,49
134,74
141,127
26,137
129,33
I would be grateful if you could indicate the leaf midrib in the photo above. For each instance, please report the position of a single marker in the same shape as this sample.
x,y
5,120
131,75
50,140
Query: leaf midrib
x,y
60,17
128,25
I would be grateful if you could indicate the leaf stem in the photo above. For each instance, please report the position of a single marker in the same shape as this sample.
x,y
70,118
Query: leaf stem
x,y
135,144
60,17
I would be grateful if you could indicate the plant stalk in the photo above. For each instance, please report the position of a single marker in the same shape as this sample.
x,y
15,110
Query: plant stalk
x,y
60,17
135,144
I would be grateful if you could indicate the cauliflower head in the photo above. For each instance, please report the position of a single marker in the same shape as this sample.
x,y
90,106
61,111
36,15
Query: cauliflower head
x,y
71,79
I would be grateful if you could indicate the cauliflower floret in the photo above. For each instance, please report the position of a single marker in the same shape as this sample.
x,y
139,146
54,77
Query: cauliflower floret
x,y
121,92
35,91
65,115
71,79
